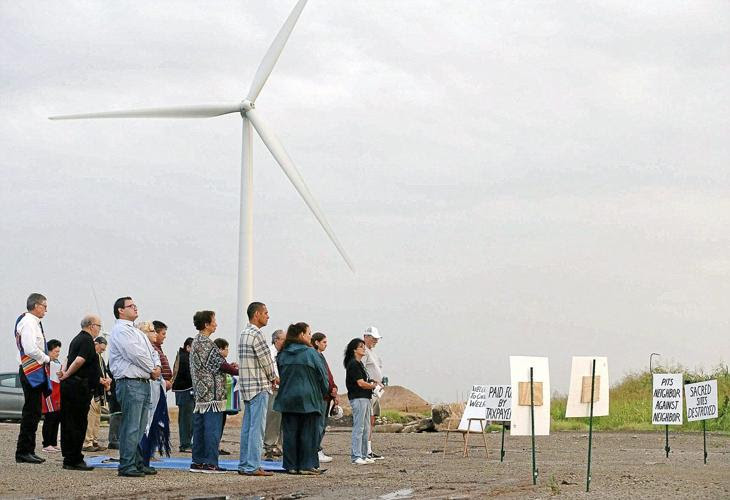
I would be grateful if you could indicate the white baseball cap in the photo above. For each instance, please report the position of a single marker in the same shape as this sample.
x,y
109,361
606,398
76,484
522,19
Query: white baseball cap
x,y
373,332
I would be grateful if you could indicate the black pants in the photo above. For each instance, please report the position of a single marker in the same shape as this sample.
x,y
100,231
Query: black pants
x,y
75,403
300,436
51,421
30,416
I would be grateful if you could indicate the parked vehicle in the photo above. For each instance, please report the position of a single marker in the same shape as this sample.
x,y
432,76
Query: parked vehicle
x,y
11,396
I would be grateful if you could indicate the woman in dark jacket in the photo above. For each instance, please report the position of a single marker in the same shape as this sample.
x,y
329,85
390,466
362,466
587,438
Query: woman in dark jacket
x,y
182,386
303,385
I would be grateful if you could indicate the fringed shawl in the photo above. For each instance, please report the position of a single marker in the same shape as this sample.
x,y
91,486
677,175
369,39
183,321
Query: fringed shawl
x,y
209,383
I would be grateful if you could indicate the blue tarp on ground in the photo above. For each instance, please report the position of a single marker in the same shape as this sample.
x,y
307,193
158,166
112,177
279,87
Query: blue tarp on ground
x,y
180,463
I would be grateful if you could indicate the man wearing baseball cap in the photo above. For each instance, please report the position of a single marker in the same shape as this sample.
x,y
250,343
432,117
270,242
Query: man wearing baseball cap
x,y
374,367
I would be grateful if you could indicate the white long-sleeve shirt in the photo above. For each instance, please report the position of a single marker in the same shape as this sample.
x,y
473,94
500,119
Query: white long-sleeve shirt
x,y
31,338
373,364
131,354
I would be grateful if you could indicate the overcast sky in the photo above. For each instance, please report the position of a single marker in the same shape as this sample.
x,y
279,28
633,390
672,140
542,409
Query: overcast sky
x,y
545,179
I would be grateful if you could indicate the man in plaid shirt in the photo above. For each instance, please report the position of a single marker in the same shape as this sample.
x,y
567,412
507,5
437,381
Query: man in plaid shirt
x,y
256,378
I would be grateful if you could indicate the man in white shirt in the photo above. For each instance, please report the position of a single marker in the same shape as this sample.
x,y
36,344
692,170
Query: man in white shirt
x,y
34,358
132,363
272,434
374,367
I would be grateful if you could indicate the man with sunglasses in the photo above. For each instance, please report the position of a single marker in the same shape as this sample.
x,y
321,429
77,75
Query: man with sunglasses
x,y
133,363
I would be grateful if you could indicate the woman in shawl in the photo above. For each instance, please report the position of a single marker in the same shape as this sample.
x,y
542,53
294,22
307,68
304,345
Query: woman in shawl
x,y
157,433
208,369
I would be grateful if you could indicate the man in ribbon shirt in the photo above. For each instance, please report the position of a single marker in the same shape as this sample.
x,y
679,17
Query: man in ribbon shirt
x,y
132,363
34,360
257,377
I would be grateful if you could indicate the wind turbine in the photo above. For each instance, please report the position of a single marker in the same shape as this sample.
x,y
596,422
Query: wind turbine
x,y
250,117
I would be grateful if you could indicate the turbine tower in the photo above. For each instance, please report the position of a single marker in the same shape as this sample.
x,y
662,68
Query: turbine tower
x,y
250,117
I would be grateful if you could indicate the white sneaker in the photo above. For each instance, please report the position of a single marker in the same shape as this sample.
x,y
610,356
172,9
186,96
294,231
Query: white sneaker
x,y
323,458
370,460
52,449
360,461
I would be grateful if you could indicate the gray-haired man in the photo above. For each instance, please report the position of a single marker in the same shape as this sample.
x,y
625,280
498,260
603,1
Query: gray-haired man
x,y
272,434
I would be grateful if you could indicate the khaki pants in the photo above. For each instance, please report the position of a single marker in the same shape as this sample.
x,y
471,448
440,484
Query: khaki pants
x,y
272,434
92,428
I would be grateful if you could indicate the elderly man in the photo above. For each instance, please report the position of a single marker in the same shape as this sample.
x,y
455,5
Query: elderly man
x,y
91,442
257,377
374,367
78,383
132,363
34,357
272,434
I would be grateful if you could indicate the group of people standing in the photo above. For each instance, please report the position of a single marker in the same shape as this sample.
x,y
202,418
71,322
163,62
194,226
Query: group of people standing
x,y
286,389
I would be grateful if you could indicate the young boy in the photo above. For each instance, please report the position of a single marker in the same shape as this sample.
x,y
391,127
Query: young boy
x,y
222,345
52,404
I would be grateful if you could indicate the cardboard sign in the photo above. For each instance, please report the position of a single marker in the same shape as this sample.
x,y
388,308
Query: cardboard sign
x,y
701,400
666,402
579,394
521,415
488,402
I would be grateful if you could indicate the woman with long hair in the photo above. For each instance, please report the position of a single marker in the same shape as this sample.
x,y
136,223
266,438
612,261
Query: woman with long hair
x,y
359,392
303,384
319,342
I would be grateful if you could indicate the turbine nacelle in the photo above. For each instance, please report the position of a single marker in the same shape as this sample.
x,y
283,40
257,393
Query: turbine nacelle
x,y
246,105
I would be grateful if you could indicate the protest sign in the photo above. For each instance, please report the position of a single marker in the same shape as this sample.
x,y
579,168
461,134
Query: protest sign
x,y
701,399
488,402
666,400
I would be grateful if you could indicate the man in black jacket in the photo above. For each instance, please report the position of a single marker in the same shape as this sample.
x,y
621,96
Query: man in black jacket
x,y
77,386
182,386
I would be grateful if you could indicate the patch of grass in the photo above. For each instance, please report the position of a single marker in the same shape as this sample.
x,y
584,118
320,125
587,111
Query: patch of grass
x,y
630,407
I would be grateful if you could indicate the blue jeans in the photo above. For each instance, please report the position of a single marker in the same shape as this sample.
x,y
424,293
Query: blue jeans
x,y
361,409
134,398
185,402
206,437
252,432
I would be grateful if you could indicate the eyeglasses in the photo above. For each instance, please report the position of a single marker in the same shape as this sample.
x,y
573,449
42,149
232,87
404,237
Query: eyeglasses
x,y
133,306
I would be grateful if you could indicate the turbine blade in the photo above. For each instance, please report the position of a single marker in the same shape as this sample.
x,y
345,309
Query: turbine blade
x,y
190,111
287,165
272,55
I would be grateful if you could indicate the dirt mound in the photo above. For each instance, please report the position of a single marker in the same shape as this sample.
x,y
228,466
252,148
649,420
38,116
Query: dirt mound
x,y
397,398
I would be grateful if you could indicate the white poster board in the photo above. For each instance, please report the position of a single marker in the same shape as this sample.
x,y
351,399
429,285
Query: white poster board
x,y
701,399
489,402
520,425
666,402
580,375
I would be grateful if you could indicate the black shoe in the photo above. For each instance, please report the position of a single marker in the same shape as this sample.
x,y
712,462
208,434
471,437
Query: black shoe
x,y
223,452
79,466
131,473
375,456
29,458
148,471
113,446
185,450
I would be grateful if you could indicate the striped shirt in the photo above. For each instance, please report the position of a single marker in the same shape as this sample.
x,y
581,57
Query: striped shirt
x,y
255,365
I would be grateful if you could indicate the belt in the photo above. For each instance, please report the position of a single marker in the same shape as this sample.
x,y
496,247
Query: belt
x,y
139,379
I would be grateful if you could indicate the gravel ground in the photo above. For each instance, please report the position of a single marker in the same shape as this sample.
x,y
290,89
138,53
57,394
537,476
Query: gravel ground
x,y
625,465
